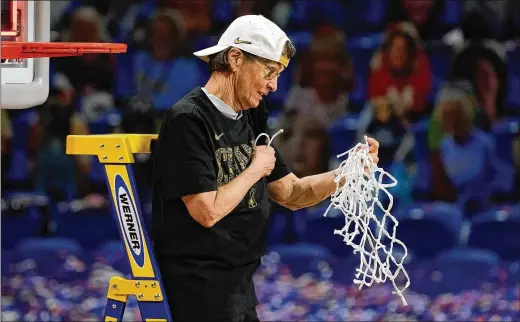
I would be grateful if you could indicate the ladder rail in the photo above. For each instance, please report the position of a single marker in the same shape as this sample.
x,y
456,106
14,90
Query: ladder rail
x,y
115,152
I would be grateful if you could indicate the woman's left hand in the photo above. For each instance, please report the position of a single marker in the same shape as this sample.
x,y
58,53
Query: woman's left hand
x,y
373,149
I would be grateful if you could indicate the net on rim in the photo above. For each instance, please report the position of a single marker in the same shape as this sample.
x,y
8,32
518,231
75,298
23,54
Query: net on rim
x,y
359,200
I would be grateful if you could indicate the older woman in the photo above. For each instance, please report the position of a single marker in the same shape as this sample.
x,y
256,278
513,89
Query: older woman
x,y
212,183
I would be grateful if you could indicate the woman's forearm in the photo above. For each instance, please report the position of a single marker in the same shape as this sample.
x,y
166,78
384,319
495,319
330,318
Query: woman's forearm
x,y
311,190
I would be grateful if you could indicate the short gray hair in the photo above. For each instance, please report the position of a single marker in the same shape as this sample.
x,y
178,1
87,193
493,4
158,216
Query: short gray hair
x,y
219,62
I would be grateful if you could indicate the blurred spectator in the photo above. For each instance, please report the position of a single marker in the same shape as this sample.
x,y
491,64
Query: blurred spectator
x,y
89,72
479,81
7,134
468,155
250,7
127,20
57,174
275,10
482,64
304,143
195,14
325,78
158,70
58,9
400,72
460,93
162,73
387,128
479,76
423,14
490,19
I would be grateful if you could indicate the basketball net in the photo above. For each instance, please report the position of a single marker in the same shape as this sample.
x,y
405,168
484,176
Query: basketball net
x,y
269,139
357,199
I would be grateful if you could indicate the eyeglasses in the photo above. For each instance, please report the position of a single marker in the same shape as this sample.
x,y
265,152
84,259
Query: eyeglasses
x,y
270,73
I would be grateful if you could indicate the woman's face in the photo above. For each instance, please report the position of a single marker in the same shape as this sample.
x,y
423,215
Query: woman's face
x,y
418,10
398,52
304,146
162,39
255,79
326,77
454,119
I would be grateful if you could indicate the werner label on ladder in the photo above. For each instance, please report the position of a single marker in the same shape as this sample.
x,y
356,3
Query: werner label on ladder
x,y
131,224
115,152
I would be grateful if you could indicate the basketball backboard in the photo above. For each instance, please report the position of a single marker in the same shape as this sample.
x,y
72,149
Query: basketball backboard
x,y
24,82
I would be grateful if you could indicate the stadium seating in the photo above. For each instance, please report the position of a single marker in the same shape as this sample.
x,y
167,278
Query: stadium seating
x,y
497,230
293,283
57,257
222,12
452,13
320,230
456,271
89,227
344,270
302,258
420,134
505,131
21,122
514,271
61,258
365,16
440,57
429,228
105,123
23,216
112,253
278,227
307,14
343,134
361,57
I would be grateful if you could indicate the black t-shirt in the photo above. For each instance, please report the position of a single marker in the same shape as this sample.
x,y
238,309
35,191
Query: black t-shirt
x,y
207,272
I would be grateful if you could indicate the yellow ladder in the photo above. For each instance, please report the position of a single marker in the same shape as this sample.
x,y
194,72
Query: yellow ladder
x,y
116,153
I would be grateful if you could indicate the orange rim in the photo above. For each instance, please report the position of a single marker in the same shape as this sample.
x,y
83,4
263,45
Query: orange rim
x,y
17,50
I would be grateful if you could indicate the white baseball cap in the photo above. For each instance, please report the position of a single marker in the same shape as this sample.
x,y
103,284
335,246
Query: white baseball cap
x,y
254,34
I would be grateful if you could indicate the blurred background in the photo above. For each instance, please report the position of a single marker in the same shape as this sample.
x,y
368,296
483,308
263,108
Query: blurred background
x,y
436,82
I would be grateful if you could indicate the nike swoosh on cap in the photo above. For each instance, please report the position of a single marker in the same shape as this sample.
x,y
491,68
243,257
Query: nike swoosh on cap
x,y
238,41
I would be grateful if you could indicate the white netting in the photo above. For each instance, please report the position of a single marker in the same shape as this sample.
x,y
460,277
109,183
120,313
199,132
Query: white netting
x,y
358,200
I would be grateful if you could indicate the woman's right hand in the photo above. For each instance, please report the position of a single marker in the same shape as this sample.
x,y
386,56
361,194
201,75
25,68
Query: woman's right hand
x,y
263,160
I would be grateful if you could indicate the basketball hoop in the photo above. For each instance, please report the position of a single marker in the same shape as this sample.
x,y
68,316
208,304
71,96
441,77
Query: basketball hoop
x,y
24,50
30,86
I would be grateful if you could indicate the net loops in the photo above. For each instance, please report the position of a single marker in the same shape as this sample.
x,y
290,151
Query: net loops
x,y
269,139
358,199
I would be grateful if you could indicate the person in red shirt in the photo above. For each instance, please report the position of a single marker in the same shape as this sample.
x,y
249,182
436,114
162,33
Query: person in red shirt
x,y
400,72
